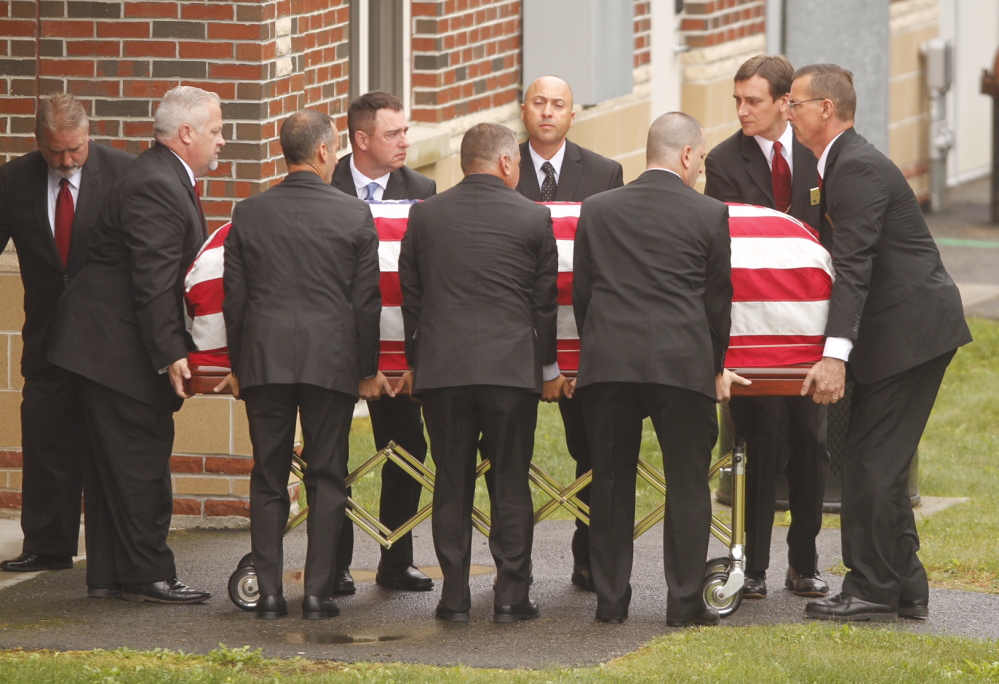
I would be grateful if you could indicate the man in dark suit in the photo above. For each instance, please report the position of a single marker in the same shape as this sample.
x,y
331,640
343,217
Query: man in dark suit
x,y
376,170
762,164
652,296
302,231
554,169
49,201
478,268
120,329
895,321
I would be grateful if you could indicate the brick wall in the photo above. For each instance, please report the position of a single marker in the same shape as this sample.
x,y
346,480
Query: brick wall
x,y
643,33
466,57
714,22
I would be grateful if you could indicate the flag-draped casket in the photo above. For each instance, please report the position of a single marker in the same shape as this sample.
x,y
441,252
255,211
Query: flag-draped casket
x,y
781,281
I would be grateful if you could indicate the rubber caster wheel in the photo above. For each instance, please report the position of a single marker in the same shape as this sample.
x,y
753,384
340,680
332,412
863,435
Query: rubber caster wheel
x,y
713,584
719,564
243,589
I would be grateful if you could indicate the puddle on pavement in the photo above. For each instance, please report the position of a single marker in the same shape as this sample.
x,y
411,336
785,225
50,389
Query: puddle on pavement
x,y
362,575
329,639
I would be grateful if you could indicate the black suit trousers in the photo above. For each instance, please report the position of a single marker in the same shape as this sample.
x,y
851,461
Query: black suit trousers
x,y
129,497
505,418
760,421
578,446
326,417
686,425
393,419
880,542
53,442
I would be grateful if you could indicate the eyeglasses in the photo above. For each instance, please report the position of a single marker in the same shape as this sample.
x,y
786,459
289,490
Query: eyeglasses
x,y
792,105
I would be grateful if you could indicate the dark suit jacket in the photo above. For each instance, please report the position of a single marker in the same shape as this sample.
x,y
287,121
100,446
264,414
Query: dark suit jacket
x,y
122,318
584,173
478,268
652,287
403,183
737,171
892,295
24,219
302,304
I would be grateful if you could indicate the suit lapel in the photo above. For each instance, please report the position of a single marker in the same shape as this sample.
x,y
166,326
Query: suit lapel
x,y
45,229
86,208
756,166
342,180
395,189
572,171
185,180
528,184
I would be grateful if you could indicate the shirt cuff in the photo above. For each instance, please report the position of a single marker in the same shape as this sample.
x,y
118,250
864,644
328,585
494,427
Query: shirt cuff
x,y
550,372
838,348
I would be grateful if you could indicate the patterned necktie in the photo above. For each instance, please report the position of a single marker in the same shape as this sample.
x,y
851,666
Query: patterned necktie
x,y
549,186
64,211
369,191
780,173
201,211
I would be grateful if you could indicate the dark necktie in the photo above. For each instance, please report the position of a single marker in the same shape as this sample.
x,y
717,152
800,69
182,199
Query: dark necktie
x,y
64,211
780,173
201,211
549,187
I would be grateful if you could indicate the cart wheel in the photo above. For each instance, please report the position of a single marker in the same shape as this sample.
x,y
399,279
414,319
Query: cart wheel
x,y
713,584
243,589
719,564
245,561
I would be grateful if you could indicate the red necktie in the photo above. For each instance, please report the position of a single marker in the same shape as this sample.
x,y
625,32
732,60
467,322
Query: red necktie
x,y
780,173
201,211
64,211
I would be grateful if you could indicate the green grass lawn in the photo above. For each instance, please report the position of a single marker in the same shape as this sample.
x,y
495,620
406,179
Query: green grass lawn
x,y
793,654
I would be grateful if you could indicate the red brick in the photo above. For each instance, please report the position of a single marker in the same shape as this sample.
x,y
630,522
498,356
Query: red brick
x,y
67,29
227,507
235,32
239,72
67,67
228,466
186,507
152,10
150,48
93,48
187,464
10,459
143,88
205,50
193,10
10,499
91,88
12,28
123,29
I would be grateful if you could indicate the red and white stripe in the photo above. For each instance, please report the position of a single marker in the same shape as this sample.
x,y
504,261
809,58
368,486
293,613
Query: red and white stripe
x,y
781,280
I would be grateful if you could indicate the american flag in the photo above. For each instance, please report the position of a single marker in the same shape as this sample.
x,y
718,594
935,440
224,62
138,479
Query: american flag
x,y
781,280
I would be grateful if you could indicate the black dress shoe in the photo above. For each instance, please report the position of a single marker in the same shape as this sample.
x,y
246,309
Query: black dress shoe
x,y
582,577
524,611
443,613
343,582
754,587
708,617
805,585
271,607
611,620
845,608
407,578
33,562
103,590
916,610
167,591
315,608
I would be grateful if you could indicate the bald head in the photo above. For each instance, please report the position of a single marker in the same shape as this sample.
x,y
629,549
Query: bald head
x,y
547,114
676,142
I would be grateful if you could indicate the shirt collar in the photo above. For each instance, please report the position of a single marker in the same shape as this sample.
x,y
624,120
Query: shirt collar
x,y
74,180
190,173
555,161
360,180
659,168
821,166
786,140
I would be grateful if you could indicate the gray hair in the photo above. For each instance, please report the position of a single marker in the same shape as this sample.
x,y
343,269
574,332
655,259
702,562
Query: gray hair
x,y
669,135
183,105
303,132
60,112
484,144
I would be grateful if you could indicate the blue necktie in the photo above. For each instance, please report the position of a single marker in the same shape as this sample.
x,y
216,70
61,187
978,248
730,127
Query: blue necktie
x,y
370,190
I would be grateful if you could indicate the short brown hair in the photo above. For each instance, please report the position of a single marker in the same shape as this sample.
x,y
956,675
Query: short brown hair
x,y
60,112
832,82
303,132
484,144
363,110
774,69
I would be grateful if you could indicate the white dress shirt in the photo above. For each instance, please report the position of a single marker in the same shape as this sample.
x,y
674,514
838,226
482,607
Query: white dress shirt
x,y
836,347
53,192
786,141
361,182
555,161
